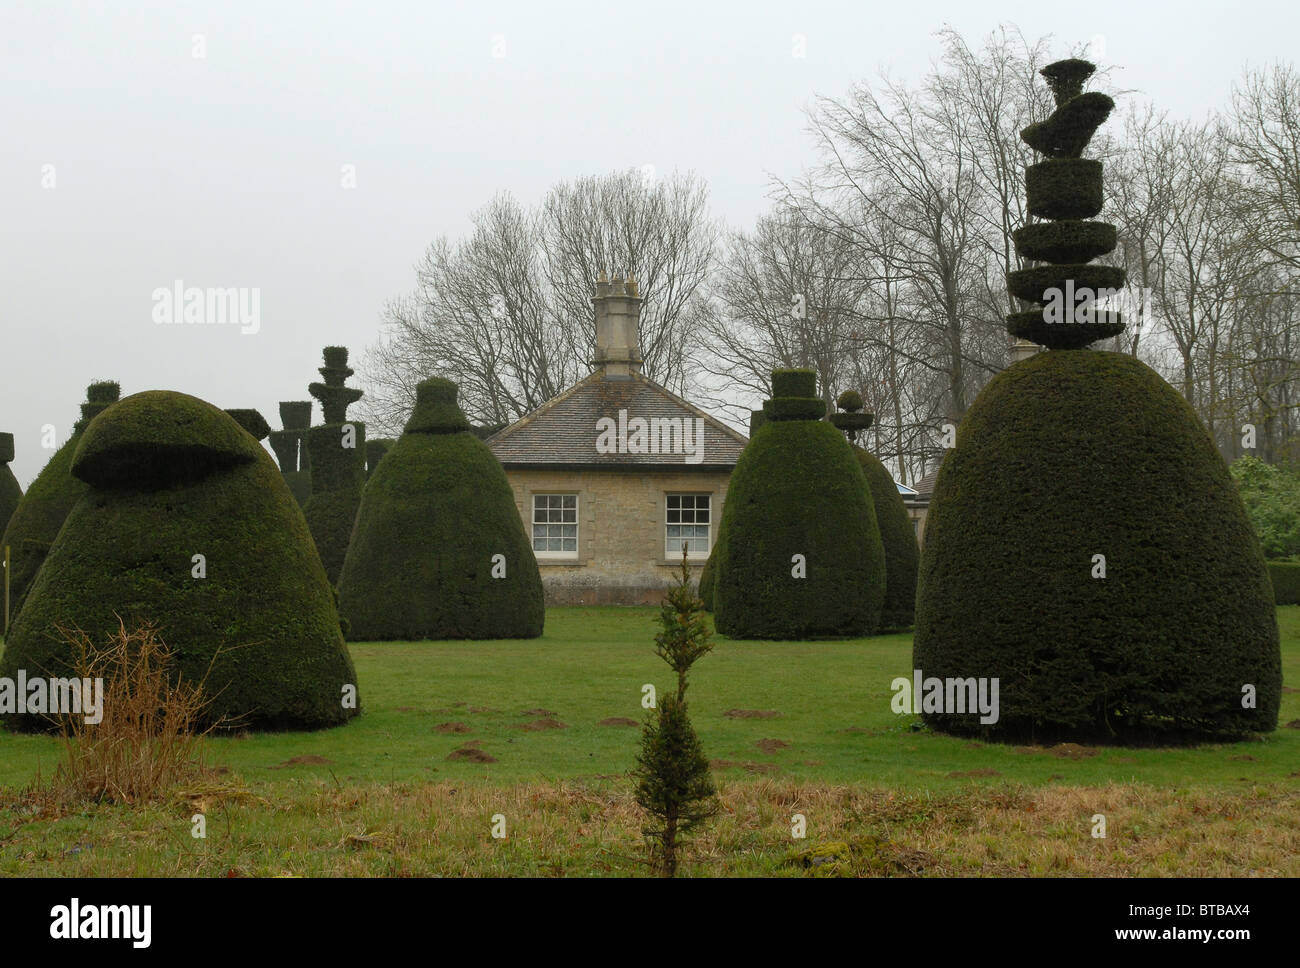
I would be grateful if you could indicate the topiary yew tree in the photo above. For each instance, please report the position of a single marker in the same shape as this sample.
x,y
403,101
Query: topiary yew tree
x,y
36,521
290,446
896,532
1086,547
185,522
10,492
439,550
338,463
799,552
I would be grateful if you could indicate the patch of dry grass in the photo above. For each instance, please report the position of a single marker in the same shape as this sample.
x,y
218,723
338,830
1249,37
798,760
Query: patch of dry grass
x,y
321,828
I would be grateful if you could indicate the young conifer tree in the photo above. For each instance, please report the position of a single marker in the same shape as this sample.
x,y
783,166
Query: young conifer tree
x,y
673,781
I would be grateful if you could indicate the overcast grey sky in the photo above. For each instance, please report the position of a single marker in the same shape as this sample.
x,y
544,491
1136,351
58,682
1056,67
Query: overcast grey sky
x,y
127,163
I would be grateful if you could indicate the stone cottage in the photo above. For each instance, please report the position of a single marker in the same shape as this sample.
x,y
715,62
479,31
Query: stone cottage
x,y
616,473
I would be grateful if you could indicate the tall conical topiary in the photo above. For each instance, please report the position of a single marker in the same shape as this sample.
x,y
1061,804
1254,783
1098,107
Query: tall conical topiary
x,y
896,532
709,573
799,552
290,447
1085,544
439,550
185,522
338,463
10,492
36,521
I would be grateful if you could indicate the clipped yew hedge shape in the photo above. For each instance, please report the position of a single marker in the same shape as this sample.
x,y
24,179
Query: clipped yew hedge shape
x,y
337,452
902,555
798,490
439,550
338,474
166,477
1065,456
252,421
10,492
1285,576
36,520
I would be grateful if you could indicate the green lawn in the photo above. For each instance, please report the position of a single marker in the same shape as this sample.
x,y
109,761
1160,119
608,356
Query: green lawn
x,y
832,700
380,797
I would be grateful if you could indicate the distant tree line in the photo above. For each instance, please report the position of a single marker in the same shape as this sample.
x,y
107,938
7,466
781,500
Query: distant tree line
x,y
882,266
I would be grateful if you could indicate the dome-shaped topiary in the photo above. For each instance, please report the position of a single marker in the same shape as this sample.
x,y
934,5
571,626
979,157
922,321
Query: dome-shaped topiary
x,y
439,550
799,552
168,477
1064,457
899,539
36,521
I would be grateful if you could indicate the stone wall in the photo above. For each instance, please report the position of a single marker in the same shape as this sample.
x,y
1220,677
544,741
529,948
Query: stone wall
x,y
622,554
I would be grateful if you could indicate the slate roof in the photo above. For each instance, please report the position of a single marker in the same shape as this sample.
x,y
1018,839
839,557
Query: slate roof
x,y
562,432
925,486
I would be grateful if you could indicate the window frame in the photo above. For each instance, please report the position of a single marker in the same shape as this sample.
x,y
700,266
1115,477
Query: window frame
x,y
533,523
675,555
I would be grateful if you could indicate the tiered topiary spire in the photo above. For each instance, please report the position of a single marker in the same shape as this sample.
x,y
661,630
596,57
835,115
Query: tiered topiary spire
x,y
851,419
334,397
1065,189
338,463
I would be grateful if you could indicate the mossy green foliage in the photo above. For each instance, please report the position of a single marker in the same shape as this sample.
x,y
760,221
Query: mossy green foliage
x,y
434,515
1285,576
338,474
899,538
334,396
1064,188
375,451
1065,456
10,495
252,421
798,490
36,521
261,625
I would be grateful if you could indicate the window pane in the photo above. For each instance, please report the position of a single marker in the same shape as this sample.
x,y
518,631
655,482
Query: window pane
x,y
570,544
570,500
570,530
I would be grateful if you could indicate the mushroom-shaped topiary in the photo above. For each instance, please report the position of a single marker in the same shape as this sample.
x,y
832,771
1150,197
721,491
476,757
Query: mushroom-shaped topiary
x,y
186,522
439,550
36,521
799,552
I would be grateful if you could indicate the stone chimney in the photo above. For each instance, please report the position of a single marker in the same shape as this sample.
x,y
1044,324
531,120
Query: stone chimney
x,y
618,319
